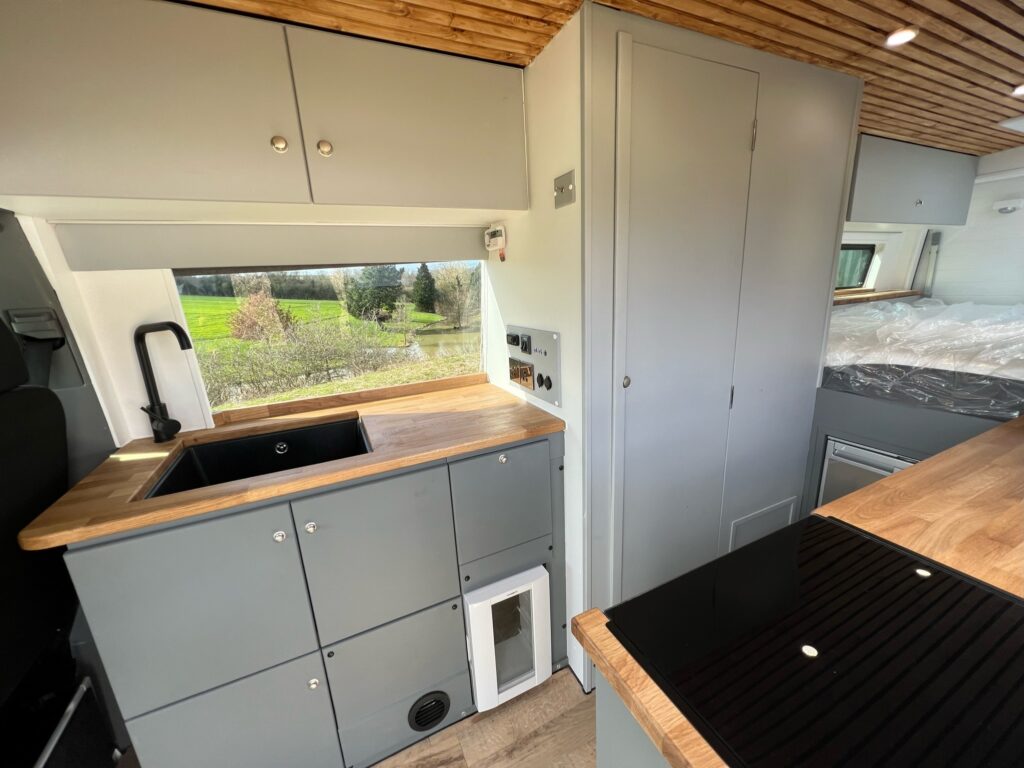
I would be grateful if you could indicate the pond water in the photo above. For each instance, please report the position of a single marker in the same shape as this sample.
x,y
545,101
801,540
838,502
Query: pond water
x,y
434,343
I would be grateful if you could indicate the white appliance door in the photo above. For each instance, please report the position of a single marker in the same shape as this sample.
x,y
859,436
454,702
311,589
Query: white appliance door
x,y
509,630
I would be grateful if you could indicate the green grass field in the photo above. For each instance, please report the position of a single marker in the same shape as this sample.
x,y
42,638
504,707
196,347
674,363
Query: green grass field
x,y
209,317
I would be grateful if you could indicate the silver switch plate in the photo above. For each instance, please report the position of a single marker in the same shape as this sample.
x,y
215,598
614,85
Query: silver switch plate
x,y
565,189
535,362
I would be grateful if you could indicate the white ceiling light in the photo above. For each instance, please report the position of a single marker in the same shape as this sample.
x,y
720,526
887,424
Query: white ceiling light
x,y
1019,90
900,37
1014,124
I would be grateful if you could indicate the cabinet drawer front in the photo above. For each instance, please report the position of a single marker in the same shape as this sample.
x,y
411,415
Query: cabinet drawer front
x,y
269,720
121,98
379,551
376,677
184,610
501,499
408,127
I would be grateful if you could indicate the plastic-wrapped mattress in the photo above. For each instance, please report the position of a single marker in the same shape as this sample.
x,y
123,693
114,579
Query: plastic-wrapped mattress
x,y
965,358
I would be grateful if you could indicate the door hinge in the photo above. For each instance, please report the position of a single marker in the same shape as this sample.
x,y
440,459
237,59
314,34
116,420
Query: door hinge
x,y
732,396
753,135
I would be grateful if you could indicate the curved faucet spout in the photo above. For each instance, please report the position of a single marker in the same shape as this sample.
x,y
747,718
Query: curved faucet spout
x,y
164,427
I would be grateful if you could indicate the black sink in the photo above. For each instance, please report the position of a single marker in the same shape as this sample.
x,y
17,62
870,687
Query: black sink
x,y
226,460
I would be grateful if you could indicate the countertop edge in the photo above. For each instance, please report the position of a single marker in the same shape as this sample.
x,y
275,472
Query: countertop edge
x,y
668,729
78,520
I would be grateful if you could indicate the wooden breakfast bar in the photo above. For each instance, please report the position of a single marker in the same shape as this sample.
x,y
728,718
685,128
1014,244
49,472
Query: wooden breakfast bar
x,y
962,509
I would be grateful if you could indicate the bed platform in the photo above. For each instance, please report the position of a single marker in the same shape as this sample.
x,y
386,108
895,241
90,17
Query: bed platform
x,y
962,358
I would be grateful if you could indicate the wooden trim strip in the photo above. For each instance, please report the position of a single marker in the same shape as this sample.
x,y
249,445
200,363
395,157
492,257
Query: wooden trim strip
x,y
290,407
865,296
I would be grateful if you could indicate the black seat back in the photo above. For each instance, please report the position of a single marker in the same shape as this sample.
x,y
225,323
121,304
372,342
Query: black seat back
x,y
36,598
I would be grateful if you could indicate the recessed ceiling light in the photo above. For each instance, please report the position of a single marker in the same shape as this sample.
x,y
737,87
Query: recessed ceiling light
x,y
1019,90
900,37
924,573
809,650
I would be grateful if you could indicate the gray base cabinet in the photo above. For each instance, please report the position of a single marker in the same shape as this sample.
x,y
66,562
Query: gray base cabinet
x,y
181,611
377,552
501,499
378,676
277,718
306,632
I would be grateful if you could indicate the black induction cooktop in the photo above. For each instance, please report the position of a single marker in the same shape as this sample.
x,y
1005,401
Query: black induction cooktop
x,y
820,645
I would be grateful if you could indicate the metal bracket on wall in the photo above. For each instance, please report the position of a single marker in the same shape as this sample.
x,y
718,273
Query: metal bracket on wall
x,y
565,189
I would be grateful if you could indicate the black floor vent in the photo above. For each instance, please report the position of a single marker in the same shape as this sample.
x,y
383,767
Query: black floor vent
x,y
429,710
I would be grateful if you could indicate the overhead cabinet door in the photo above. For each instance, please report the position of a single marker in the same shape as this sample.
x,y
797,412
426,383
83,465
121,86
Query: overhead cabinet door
x,y
387,125
139,99
902,183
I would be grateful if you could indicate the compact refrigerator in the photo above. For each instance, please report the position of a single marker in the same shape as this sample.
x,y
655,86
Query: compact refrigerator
x,y
849,467
509,636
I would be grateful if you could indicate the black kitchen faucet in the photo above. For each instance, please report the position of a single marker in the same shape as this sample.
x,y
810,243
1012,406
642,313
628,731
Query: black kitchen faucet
x,y
164,427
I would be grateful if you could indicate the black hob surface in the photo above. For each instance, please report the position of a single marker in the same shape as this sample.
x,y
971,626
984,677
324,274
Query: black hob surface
x,y
822,646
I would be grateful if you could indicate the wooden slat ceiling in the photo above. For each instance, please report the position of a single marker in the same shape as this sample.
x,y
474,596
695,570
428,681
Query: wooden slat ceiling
x,y
506,31
948,88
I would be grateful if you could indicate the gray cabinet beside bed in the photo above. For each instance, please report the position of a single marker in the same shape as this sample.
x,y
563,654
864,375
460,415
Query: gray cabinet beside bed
x,y
324,629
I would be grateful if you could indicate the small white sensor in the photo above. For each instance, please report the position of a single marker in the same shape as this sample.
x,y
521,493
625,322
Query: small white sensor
x,y
1008,206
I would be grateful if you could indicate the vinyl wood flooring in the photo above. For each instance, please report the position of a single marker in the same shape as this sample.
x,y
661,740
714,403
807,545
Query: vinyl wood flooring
x,y
551,726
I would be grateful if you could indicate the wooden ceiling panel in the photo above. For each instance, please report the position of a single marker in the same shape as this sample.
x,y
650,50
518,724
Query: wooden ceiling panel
x,y
948,88
506,31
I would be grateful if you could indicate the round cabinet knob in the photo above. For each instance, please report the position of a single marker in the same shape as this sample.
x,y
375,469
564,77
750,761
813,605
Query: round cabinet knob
x,y
313,684
280,536
311,527
279,143
325,148
503,459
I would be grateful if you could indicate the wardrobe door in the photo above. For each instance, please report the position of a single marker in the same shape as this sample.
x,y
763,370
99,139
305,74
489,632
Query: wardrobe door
x,y
683,156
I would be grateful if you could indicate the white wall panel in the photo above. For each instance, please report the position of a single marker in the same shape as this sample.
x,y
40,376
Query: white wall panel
x,y
540,284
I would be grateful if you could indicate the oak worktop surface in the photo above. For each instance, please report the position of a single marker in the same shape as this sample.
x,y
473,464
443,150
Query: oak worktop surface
x,y
402,431
963,508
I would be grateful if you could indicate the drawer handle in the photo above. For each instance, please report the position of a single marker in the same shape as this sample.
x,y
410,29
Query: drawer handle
x,y
279,143
503,459
280,536
325,148
311,527
313,684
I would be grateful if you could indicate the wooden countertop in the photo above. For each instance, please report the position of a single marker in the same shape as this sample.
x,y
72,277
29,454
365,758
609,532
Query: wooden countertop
x,y
403,432
963,508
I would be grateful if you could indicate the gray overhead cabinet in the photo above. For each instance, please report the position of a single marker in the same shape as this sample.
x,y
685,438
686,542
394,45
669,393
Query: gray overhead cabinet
x,y
122,98
386,125
154,100
900,183
267,637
